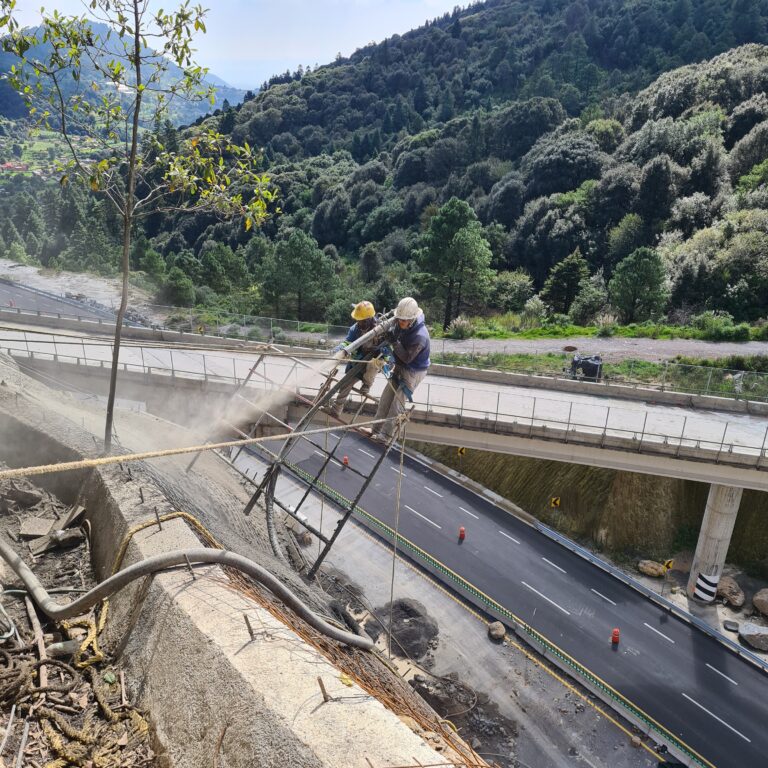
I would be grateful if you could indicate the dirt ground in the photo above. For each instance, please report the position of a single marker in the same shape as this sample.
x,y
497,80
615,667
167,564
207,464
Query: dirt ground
x,y
68,706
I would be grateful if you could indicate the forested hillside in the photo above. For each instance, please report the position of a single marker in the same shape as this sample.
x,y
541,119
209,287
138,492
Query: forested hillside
x,y
92,85
546,162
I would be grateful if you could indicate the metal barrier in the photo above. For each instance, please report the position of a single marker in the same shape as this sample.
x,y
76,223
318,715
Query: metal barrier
x,y
660,600
548,649
751,386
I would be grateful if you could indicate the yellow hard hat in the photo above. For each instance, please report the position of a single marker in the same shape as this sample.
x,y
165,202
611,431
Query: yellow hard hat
x,y
363,311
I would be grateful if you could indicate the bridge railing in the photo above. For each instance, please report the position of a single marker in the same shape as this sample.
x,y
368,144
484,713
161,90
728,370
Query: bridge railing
x,y
491,409
672,377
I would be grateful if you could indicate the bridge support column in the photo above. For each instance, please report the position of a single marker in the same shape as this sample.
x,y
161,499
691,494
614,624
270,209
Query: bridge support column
x,y
715,536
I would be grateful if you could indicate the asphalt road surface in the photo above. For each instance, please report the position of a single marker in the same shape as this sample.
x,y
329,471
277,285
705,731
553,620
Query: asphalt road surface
x,y
706,695
19,297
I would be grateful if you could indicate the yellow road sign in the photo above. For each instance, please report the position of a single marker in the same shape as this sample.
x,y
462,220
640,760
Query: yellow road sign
x,y
668,564
554,502
461,451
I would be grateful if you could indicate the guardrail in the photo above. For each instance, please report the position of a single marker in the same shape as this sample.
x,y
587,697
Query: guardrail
x,y
749,386
660,600
527,633
668,433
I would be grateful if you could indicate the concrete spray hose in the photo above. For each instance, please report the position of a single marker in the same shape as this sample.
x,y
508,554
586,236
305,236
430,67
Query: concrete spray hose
x,y
151,565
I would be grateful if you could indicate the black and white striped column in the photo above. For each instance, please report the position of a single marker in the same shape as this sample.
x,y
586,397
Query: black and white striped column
x,y
714,538
705,588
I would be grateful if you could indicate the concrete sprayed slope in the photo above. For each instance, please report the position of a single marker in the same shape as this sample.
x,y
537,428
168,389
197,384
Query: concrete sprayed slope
x,y
209,688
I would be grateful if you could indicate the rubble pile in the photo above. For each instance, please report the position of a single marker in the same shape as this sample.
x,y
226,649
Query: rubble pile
x,y
61,701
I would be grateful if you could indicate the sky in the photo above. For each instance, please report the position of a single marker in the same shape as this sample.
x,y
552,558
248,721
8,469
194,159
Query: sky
x,y
247,41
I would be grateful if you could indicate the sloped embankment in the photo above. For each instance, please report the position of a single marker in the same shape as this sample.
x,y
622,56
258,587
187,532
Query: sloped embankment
x,y
622,513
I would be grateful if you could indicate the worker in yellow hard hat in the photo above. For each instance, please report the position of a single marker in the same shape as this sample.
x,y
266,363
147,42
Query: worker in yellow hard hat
x,y
365,317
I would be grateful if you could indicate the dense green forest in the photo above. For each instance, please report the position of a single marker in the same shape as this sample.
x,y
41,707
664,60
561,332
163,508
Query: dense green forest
x,y
543,162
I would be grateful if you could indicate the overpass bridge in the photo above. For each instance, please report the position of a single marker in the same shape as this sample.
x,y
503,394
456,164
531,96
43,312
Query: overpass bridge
x,y
725,449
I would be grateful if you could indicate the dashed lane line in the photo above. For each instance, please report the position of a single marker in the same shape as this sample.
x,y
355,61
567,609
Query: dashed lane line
x,y
559,607
653,629
471,514
395,469
366,453
607,599
562,570
719,719
427,488
431,522
509,537
722,674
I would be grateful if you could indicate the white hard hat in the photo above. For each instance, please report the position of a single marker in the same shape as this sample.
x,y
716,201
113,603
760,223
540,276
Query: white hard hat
x,y
407,309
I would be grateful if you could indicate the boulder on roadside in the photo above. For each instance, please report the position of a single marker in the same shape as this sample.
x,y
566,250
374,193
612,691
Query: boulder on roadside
x,y
651,568
760,601
496,631
754,635
729,590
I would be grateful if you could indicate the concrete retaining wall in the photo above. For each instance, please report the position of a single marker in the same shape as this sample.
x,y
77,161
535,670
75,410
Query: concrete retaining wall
x,y
212,693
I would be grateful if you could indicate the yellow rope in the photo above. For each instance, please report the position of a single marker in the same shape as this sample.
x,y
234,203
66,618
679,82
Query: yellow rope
x,y
68,466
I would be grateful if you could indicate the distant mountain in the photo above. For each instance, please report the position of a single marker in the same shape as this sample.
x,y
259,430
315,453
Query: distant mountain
x,y
181,112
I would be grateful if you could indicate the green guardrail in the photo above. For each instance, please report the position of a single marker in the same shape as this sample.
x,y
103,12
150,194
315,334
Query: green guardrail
x,y
564,660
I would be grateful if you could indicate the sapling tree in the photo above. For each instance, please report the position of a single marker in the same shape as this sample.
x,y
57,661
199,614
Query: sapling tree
x,y
104,80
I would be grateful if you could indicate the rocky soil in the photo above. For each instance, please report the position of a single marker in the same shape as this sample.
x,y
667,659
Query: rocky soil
x,y
62,700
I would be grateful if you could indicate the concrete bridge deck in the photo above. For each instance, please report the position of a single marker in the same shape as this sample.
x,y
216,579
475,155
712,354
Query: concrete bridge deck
x,y
655,438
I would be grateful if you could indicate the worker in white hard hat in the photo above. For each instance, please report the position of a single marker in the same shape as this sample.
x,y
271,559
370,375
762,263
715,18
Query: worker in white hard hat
x,y
409,338
365,317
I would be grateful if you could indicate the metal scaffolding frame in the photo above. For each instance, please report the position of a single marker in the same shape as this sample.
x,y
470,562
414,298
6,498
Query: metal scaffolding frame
x,y
266,487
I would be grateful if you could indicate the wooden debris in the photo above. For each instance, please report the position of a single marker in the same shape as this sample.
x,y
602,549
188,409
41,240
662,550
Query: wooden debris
x,y
21,497
73,516
33,527
56,539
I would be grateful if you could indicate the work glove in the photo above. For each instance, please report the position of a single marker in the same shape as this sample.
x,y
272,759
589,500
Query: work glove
x,y
340,348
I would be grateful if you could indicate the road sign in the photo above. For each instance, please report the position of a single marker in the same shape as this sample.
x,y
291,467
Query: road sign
x,y
461,451
668,564
554,502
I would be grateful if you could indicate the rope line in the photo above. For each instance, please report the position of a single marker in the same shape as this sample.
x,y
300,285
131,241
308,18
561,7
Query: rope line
x,y
69,466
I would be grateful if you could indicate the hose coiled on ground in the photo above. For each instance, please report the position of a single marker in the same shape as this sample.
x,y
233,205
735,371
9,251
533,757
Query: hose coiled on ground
x,y
151,565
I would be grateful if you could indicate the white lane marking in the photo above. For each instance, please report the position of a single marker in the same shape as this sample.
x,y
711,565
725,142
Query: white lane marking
x,y
435,492
366,453
719,720
471,514
509,537
395,469
653,629
722,674
431,522
335,437
562,570
319,453
559,607
607,599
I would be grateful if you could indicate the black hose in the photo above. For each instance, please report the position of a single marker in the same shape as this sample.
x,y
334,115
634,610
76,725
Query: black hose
x,y
151,565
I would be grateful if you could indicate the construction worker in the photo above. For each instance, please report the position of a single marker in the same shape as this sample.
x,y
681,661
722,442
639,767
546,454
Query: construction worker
x,y
364,315
409,338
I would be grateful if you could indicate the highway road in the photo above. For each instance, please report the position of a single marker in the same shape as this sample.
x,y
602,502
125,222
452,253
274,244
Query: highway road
x,y
710,698
20,297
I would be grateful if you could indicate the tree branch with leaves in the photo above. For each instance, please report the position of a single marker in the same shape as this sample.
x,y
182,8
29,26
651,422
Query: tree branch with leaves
x,y
97,75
